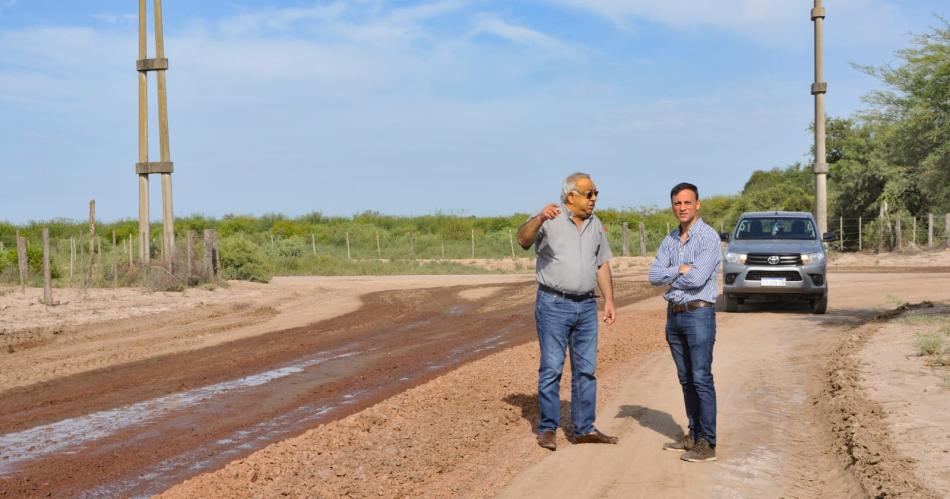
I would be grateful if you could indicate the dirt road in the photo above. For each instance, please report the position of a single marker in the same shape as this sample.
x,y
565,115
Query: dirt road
x,y
774,440
430,391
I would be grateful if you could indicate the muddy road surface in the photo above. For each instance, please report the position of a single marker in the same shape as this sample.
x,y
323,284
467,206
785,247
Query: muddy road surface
x,y
135,429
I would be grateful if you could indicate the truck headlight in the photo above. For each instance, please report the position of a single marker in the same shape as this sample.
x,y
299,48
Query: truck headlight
x,y
735,257
813,257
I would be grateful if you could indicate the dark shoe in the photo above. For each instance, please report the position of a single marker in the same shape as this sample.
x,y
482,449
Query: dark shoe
x,y
700,453
548,439
595,437
683,444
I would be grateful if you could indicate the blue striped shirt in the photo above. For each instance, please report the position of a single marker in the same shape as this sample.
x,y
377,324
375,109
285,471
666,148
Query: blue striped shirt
x,y
701,252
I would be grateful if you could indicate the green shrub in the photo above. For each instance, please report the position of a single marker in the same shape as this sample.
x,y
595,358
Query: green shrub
x,y
243,260
929,343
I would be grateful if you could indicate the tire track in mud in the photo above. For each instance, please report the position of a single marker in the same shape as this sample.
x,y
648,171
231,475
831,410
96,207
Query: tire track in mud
x,y
136,429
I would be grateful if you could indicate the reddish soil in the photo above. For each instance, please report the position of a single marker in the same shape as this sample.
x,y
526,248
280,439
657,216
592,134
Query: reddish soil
x,y
318,373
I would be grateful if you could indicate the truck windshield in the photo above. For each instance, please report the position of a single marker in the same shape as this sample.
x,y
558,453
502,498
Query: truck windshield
x,y
775,228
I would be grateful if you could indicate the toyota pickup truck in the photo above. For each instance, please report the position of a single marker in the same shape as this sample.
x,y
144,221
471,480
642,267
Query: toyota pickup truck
x,y
777,254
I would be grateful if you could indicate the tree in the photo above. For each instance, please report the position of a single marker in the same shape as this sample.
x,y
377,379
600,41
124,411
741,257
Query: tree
x,y
912,121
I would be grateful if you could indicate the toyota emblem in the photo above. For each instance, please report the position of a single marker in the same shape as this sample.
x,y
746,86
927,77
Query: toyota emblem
x,y
773,260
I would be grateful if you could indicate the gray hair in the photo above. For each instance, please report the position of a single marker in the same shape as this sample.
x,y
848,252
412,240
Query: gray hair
x,y
570,184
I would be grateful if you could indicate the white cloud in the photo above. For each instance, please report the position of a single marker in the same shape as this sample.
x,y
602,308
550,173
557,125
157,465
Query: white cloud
x,y
852,23
524,36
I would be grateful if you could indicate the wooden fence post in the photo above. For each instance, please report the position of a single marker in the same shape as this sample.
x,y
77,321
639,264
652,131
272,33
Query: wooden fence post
x,y
880,229
930,231
914,236
511,242
72,258
92,226
626,239
216,253
840,233
643,240
189,251
412,252
442,243
348,257
897,230
208,236
667,228
82,257
946,228
115,264
379,250
313,243
860,234
21,260
47,272
473,244
130,249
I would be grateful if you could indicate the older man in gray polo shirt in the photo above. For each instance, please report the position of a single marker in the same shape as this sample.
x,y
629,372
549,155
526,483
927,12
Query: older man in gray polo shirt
x,y
572,260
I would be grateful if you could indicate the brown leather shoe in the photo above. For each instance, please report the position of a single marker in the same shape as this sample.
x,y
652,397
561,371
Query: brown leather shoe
x,y
548,439
595,437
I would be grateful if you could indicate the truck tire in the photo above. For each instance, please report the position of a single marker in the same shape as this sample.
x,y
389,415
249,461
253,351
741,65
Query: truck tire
x,y
820,305
732,303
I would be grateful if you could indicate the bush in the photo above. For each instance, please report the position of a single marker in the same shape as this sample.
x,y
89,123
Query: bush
x,y
243,260
929,343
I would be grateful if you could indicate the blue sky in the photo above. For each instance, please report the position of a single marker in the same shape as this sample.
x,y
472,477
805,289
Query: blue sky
x,y
453,106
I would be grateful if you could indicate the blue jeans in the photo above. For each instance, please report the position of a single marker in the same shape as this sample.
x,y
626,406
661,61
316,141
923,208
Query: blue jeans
x,y
566,324
691,336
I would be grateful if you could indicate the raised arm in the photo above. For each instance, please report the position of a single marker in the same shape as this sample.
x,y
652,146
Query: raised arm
x,y
528,231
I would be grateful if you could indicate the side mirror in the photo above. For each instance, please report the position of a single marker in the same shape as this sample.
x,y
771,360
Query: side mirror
x,y
724,237
829,236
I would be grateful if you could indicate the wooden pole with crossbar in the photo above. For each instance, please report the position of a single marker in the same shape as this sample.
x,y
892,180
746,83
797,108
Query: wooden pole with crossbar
x,y
164,166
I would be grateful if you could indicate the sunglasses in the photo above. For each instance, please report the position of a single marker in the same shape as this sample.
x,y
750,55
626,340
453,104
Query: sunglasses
x,y
589,194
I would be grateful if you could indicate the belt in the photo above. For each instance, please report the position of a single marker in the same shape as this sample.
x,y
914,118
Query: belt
x,y
570,296
677,308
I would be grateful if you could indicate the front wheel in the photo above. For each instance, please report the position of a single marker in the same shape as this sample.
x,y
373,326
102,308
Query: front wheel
x,y
820,305
732,303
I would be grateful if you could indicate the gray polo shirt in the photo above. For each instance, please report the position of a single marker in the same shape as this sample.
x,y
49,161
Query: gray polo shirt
x,y
568,257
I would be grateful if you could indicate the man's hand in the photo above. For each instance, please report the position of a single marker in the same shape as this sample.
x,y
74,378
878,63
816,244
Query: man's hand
x,y
529,230
550,211
609,312
685,267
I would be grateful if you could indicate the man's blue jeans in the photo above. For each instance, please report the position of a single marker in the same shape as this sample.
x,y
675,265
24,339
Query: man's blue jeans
x,y
567,324
691,336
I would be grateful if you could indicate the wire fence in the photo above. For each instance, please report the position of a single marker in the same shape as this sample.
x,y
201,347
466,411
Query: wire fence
x,y
96,261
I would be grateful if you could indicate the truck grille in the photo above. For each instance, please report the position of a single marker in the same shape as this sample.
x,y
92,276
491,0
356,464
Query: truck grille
x,y
783,259
757,275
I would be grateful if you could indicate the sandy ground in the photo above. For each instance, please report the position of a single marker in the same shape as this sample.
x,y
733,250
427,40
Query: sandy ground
x,y
469,432
911,391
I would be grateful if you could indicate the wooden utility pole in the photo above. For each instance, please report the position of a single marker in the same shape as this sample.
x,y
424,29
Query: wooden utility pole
x,y
818,89
144,167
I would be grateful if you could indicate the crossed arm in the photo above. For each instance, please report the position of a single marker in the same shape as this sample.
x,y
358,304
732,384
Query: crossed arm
x,y
684,276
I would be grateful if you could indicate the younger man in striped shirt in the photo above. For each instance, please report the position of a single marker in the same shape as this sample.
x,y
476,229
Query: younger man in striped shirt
x,y
688,262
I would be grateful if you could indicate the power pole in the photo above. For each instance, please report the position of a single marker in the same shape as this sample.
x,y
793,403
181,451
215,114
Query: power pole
x,y
818,89
144,167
